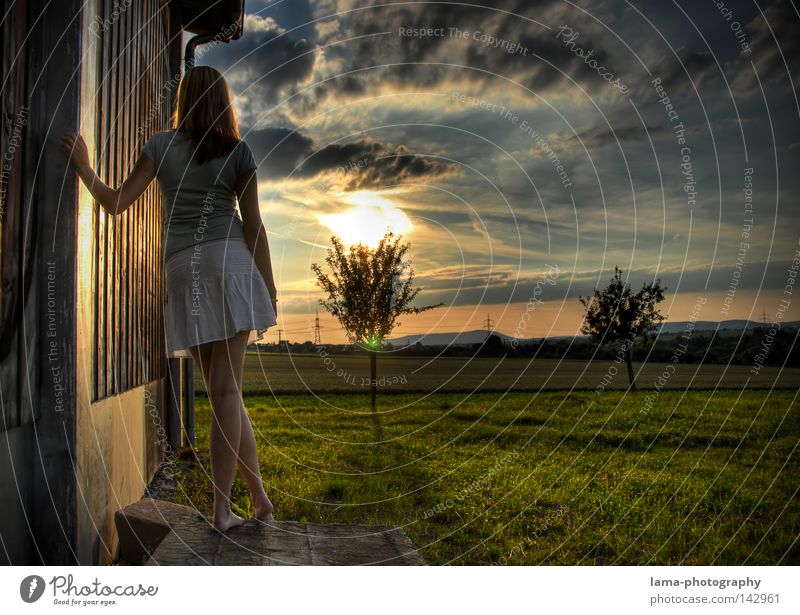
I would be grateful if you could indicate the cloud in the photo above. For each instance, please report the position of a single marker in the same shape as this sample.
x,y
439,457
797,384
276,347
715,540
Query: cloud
x,y
501,41
679,70
775,49
603,134
384,166
503,283
356,165
264,65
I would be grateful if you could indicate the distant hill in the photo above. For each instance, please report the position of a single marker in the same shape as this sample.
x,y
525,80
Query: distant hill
x,y
463,338
477,336
443,339
710,325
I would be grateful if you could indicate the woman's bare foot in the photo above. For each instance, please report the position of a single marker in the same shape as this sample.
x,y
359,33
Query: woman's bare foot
x,y
226,522
263,508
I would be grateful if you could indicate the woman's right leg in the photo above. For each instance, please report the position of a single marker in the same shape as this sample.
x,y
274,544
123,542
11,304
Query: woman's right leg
x,y
249,467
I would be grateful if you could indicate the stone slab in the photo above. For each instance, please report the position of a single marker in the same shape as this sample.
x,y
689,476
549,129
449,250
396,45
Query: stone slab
x,y
187,539
143,525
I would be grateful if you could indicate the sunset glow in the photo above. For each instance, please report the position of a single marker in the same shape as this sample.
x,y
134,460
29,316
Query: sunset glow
x,y
367,220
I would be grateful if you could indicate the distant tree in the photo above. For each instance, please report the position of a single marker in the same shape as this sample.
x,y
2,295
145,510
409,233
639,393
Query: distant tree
x,y
492,347
617,315
368,289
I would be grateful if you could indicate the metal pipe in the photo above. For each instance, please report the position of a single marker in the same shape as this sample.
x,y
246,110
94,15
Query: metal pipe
x,y
192,43
226,34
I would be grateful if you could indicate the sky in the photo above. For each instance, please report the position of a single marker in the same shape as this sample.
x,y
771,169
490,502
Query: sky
x,y
525,149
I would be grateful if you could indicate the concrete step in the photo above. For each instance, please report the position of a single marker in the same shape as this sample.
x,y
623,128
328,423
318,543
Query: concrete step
x,y
157,532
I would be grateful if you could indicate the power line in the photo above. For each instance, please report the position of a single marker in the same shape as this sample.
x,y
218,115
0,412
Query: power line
x,y
317,341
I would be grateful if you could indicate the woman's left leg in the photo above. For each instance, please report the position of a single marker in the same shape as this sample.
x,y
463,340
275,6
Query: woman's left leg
x,y
227,357
248,462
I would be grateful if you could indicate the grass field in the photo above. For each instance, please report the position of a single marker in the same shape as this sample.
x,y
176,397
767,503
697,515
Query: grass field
x,y
551,478
300,372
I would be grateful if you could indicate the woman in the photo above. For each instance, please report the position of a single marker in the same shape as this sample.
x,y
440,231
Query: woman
x,y
220,291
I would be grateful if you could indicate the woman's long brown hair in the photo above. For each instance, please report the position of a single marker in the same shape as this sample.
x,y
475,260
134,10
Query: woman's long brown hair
x,y
204,112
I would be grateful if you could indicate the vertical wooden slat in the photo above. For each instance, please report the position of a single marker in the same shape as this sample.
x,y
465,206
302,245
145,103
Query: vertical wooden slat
x,y
98,250
135,283
130,215
103,306
98,218
162,76
122,220
108,230
147,44
155,211
153,228
117,144
112,230
109,256
141,103
113,264
124,112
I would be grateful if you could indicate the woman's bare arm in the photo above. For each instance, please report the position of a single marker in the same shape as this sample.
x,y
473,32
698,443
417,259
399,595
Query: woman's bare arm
x,y
254,232
113,200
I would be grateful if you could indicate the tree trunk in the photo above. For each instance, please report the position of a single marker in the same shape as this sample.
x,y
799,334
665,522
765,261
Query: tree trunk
x,y
373,377
631,377
373,388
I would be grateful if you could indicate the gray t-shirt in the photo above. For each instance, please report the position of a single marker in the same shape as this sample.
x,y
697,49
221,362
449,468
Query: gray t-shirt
x,y
199,200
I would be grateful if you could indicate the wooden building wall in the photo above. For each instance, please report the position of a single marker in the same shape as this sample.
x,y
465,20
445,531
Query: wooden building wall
x,y
133,101
82,366
128,81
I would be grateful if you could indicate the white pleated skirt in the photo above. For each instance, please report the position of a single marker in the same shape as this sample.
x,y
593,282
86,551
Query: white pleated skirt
x,y
213,291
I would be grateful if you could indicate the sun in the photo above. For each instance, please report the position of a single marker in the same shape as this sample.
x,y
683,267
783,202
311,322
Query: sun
x,y
366,220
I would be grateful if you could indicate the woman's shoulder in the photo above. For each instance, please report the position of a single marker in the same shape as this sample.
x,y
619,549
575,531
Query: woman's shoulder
x,y
246,159
171,137
241,144
169,133
162,135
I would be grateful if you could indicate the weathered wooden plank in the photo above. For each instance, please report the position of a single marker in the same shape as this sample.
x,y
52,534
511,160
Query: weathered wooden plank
x,y
101,290
13,31
163,533
138,103
123,357
118,79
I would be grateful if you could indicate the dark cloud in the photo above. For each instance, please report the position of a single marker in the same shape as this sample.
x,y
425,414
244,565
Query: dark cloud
x,y
266,62
679,70
775,49
359,164
279,150
528,53
598,136
550,60
518,285
396,165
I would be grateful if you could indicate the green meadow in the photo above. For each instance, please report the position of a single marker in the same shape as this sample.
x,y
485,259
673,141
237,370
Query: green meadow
x,y
698,477
265,373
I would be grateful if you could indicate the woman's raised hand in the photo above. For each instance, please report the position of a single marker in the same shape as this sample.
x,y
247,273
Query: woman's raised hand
x,y
74,145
